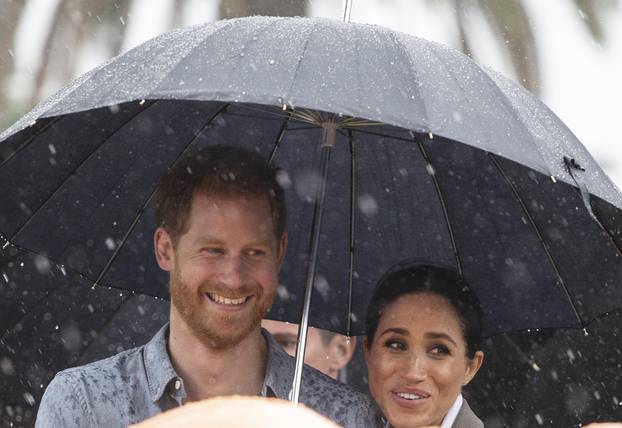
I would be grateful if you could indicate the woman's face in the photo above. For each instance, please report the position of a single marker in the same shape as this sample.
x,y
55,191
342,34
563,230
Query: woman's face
x,y
417,362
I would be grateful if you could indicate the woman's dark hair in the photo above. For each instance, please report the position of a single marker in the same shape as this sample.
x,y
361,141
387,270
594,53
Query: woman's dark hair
x,y
408,278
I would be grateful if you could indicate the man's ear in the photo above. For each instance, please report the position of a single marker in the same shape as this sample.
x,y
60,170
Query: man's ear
x,y
282,248
341,349
473,365
164,250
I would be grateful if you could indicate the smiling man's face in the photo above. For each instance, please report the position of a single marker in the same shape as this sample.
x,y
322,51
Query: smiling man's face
x,y
224,268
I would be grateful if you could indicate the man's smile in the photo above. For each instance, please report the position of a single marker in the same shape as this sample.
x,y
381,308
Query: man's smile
x,y
217,298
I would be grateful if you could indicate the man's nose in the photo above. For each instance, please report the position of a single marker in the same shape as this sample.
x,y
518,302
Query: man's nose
x,y
232,272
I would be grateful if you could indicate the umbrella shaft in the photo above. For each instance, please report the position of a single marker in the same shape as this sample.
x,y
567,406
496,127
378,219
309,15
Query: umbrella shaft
x,y
347,10
310,275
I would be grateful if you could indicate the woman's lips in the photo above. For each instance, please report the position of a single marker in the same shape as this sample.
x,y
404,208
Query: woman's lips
x,y
410,397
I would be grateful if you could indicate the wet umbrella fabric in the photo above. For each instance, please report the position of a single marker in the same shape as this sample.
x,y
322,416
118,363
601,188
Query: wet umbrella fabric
x,y
58,320
559,377
434,158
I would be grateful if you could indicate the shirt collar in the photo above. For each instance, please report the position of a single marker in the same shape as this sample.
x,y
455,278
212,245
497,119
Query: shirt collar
x,y
452,414
279,369
160,371
158,367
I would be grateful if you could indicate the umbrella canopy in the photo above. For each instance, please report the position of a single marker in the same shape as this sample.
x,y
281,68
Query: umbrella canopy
x,y
559,377
58,320
433,158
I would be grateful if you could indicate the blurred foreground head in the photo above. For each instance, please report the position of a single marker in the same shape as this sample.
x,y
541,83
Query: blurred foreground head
x,y
239,412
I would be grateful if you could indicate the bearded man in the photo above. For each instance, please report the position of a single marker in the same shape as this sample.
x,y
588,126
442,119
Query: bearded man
x,y
222,238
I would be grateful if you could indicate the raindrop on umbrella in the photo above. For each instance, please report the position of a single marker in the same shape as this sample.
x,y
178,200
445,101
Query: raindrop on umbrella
x,y
282,177
6,366
110,244
368,205
42,264
282,292
322,286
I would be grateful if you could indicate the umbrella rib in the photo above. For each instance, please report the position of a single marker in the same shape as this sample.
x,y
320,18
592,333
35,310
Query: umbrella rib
x,y
443,207
503,97
31,139
540,238
71,174
271,110
74,271
277,142
482,393
378,134
416,78
300,58
37,304
357,56
101,329
238,59
529,361
352,227
142,209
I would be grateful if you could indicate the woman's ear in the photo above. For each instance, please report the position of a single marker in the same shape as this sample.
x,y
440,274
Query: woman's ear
x,y
473,366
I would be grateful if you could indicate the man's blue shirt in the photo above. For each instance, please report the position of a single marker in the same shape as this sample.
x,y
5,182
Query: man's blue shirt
x,y
141,382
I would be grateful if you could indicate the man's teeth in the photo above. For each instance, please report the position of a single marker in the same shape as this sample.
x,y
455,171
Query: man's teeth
x,y
408,396
225,301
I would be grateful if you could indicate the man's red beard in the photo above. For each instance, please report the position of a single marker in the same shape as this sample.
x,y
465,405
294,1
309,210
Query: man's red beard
x,y
218,331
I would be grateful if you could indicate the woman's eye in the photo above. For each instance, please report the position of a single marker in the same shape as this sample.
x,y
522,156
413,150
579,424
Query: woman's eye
x,y
440,350
395,344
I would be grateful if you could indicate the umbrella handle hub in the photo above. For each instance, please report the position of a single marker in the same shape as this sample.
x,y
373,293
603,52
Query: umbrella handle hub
x,y
330,131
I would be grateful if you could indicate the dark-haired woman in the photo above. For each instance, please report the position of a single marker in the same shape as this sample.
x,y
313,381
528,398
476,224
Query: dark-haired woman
x,y
422,346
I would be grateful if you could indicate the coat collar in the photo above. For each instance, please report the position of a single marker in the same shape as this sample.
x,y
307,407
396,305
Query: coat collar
x,y
466,418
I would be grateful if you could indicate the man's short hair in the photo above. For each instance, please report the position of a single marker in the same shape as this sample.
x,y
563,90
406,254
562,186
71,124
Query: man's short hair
x,y
217,170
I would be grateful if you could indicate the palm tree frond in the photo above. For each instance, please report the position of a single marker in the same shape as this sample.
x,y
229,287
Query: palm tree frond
x,y
509,18
590,12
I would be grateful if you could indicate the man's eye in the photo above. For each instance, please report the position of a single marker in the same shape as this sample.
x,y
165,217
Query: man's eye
x,y
213,251
255,253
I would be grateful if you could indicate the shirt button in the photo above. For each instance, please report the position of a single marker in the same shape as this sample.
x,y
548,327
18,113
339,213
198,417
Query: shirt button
x,y
177,385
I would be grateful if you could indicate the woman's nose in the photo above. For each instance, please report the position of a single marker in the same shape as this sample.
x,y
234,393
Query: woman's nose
x,y
415,368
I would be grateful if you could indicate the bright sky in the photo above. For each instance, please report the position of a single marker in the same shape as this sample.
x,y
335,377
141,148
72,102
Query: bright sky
x,y
580,79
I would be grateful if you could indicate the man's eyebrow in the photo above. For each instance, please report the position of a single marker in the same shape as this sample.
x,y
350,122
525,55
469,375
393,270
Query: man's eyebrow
x,y
439,335
206,239
397,330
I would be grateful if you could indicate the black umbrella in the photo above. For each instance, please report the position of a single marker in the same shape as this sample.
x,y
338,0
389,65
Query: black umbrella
x,y
421,154
58,320
560,377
